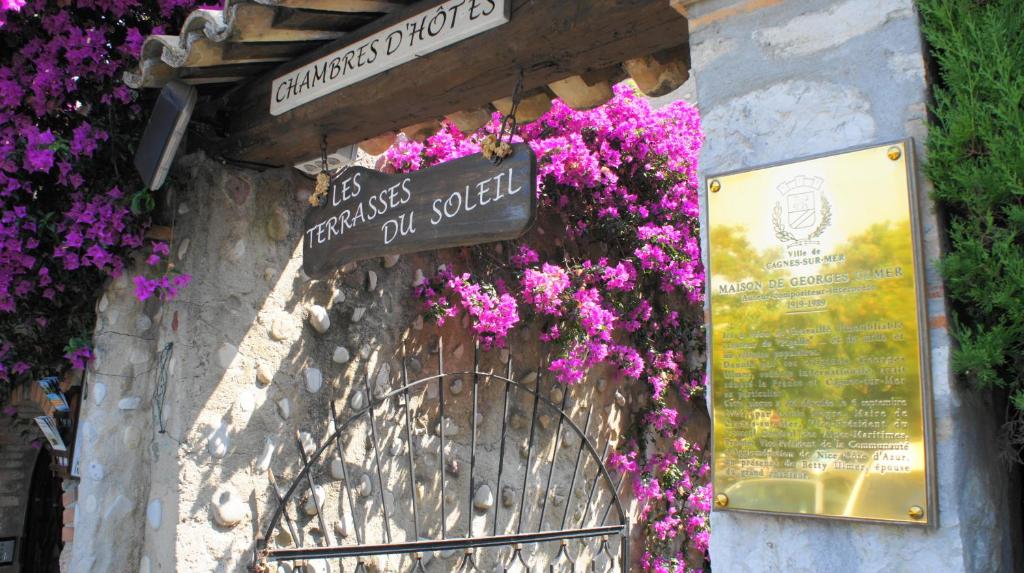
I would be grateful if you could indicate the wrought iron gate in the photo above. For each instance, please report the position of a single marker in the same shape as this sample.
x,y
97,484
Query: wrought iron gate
x,y
602,546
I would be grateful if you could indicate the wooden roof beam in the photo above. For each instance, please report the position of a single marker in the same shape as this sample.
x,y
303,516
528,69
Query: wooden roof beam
x,y
549,39
375,6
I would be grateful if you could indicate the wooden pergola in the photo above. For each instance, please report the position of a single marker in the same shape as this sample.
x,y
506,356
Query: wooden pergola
x,y
570,49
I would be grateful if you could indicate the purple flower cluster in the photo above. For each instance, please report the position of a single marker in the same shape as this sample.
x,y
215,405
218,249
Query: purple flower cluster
x,y
494,311
70,208
623,178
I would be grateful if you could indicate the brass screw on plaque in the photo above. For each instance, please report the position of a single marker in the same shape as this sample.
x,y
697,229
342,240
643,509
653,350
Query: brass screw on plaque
x,y
716,186
721,500
894,153
915,512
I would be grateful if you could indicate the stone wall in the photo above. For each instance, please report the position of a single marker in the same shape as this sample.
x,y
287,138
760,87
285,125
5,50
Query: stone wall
x,y
17,459
782,80
19,464
190,402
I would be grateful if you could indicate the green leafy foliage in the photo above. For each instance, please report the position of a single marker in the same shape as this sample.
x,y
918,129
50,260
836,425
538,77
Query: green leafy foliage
x,y
976,162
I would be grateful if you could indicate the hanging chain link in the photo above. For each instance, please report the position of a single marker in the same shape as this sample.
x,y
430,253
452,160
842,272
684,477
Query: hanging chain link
x,y
323,179
498,147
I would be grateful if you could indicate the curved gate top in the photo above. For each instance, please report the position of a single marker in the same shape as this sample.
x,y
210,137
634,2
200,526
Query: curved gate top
x,y
446,509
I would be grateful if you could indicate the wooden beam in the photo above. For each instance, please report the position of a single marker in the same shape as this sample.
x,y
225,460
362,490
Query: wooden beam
x,y
255,23
533,105
549,39
578,94
379,144
293,19
380,6
470,120
422,130
661,73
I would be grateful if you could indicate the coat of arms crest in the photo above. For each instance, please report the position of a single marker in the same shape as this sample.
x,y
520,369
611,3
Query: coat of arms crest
x,y
807,211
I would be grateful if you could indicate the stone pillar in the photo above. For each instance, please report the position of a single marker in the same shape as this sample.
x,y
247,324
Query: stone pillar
x,y
782,80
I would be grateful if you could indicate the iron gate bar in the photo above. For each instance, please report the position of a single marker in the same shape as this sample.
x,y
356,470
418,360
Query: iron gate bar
x,y
593,487
504,429
280,500
344,474
312,489
468,560
529,452
576,468
408,439
441,424
551,465
470,542
376,457
405,547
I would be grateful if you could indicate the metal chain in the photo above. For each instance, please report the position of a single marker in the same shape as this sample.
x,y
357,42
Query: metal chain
x,y
498,147
323,179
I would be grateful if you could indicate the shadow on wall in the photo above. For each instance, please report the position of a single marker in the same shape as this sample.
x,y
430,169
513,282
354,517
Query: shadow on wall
x,y
176,451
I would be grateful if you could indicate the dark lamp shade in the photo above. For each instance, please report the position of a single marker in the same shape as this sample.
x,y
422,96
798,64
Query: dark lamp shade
x,y
163,133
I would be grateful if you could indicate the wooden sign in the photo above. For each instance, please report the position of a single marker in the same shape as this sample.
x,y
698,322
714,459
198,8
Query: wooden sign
x,y
468,201
429,31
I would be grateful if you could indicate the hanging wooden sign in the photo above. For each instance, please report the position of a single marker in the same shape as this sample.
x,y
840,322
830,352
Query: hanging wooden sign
x,y
468,201
436,28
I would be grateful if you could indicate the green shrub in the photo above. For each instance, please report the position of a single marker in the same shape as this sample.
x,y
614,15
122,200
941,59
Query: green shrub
x,y
976,162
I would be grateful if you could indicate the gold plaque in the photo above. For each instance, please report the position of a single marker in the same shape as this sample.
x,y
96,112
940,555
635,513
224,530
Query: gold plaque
x,y
819,365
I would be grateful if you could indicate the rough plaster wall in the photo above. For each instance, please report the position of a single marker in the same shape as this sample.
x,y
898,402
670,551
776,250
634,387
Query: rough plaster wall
x,y
149,499
17,460
781,80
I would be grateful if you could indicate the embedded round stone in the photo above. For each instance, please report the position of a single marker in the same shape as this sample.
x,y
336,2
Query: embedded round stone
x,y
263,462
456,386
308,443
219,441
95,471
337,469
314,380
557,394
483,499
452,467
358,400
517,421
544,421
154,511
382,383
341,355
278,225
264,374
358,313
508,496
131,437
228,509
619,398
284,408
340,529
99,392
282,328
365,487
129,403
226,354
315,501
319,319
391,260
